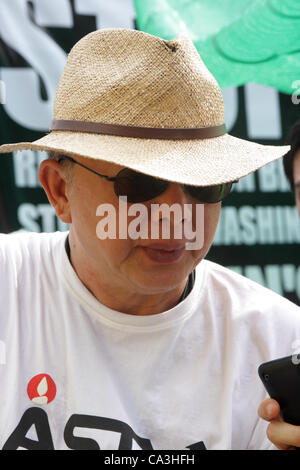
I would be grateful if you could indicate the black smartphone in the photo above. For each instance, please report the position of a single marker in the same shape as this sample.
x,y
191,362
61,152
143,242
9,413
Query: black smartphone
x,y
281,378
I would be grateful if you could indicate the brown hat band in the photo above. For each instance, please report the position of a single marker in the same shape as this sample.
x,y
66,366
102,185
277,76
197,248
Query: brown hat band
x,y
138,132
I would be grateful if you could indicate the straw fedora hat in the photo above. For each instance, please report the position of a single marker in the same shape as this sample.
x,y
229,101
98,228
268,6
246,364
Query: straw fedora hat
x,y
137,100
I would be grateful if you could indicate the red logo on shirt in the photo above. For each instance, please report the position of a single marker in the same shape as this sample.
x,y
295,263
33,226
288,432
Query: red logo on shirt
x,y
41,389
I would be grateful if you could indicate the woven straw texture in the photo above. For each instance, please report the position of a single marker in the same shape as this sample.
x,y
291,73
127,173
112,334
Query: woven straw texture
x,y
136,79
131,78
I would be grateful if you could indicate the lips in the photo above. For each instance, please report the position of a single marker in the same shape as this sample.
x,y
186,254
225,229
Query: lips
x,y
164,253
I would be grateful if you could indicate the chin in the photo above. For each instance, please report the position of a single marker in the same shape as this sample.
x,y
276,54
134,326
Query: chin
x,y
163,280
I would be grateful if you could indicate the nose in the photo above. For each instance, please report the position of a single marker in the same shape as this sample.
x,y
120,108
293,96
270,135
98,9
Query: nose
x,y
174,194
172,209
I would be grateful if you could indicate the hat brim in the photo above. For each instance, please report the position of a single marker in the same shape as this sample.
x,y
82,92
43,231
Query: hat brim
x,y
195,162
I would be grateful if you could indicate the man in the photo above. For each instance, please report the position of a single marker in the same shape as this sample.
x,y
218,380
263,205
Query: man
x,y
115,338
291,162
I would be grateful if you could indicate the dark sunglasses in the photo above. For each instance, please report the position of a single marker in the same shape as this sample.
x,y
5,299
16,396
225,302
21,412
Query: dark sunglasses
x,y
138,187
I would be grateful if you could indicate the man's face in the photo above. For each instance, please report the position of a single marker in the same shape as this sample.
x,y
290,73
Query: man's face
x,y
296,172
128,263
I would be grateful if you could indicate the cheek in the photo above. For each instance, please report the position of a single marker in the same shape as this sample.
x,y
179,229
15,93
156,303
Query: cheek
x,y
211,219
83,203
209,225
212,214
86,202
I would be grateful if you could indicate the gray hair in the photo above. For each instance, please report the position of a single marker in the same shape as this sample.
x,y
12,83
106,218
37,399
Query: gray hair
x,y
66,164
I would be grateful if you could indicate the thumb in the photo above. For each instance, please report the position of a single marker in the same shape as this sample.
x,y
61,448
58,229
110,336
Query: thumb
x,y
269,409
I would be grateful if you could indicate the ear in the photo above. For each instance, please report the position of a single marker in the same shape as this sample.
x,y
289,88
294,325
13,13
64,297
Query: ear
x,y
53,179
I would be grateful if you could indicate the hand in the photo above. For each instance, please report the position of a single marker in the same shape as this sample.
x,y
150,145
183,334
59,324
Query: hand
x,y
283,435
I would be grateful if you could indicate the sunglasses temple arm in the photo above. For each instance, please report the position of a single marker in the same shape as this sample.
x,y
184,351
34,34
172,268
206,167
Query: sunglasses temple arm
x,y
86,168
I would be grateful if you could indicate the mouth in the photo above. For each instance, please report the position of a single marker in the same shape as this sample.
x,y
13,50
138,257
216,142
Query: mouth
x,y
164,253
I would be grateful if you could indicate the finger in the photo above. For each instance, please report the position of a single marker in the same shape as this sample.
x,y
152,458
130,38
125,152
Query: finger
x,y
269,409
283,435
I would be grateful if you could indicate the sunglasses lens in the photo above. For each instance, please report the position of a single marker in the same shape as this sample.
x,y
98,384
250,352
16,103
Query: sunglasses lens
x,y
138,187
210,194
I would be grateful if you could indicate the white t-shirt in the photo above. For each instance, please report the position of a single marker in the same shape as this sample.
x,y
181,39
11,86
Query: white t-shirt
x,y
76,374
